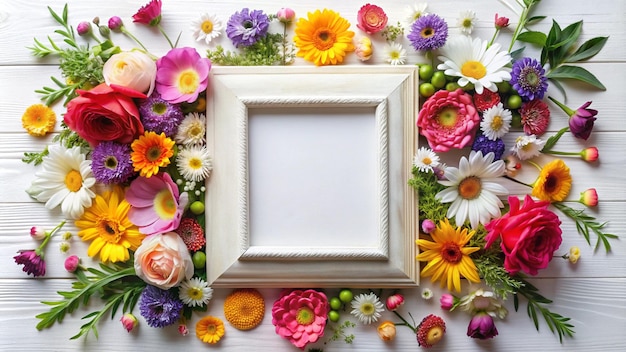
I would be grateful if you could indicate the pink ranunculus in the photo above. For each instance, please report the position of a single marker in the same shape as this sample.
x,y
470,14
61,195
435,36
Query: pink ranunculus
x,y
105,113
530,235
163,260
149,14
371,19
300,316
448,120
182,75
71,263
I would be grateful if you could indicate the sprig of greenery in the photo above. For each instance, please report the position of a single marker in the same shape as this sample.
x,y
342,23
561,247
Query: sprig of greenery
x,y
265,52
340,333
66,137
41,50
426,185
556,322
586,224
489,265
392,32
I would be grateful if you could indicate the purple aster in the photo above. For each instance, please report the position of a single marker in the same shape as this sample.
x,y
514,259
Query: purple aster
x,y
32,261
485,145
528,78
159,307
247,27
111,163
159,115
428,32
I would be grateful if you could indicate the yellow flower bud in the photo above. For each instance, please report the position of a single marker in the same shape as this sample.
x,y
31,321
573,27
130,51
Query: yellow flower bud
x,y
574,254
386,330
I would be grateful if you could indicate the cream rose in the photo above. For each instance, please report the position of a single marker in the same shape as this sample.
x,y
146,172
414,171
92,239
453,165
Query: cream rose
x,y
132,69
163,260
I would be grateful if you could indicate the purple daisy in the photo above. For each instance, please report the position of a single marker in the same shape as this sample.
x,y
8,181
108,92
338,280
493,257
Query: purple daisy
x,y
485,145
428,32
111,163
159,307
528,78
159,115
33,262
247,27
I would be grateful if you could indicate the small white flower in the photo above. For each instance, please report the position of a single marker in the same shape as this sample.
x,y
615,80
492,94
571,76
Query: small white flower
x,y
427,293
496,122
483,301
527,147
207,28
192,129
425,159
367,308
413,12
195,292
395,54
194,163
466,22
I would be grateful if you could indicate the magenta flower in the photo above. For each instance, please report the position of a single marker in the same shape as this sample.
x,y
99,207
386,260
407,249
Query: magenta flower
x,y
482,327
501,22
394,302
33,262
580,121
428,226
83,28
129,321
115,23
448,301
300,316
157,206
72,263
181,75
149,14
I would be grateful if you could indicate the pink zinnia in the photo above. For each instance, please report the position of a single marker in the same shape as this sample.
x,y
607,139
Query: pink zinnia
x,y
149,14
156,204
535,117
448,120
181,75
300,316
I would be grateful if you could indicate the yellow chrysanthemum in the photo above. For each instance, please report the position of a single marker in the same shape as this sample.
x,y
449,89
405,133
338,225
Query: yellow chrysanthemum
x,y
323,38
38,120
554,182
448,258
106,224
244,308
150,152
210,329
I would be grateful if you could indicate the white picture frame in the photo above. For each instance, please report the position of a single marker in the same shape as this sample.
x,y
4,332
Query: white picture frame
x,y
260,227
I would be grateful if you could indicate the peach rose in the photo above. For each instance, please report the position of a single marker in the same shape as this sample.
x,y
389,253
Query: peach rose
x,y
163,260
132,69
371,19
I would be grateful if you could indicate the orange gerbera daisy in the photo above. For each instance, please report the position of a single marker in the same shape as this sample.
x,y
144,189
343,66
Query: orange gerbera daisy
x,y
150,152
244,308
210,329
323,38
38,120
554,182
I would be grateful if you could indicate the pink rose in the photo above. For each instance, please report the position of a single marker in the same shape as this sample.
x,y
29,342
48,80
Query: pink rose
x,y
163,260
371,19
105,113
530,235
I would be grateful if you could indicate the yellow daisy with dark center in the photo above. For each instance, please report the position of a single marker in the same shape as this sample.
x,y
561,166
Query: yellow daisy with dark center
x,y
244,308
554,182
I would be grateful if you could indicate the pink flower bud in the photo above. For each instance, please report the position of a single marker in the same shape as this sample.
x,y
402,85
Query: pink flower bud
x,y
83,28
428,226
590,154
501,22
589,197
71,263
447,301
129,321
394,302
183,330
286,15
37,233
115,23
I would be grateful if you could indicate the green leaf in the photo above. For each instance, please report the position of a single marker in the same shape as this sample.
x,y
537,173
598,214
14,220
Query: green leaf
x,y
535,19
533,37
553,139
559,86
577,73
589,49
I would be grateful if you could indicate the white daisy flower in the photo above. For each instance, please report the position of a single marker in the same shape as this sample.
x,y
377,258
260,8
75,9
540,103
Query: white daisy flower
x,y
466,22
474,63
194,162
367,307
207,28
427,293
425,159
195,292
395,54
413,12
527,147
66,180
496,122
473,189
192,129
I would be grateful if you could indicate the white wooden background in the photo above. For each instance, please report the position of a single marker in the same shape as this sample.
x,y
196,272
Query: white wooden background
x,y
592,293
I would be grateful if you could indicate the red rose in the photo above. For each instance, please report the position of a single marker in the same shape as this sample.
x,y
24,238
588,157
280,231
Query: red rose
x,y
105,113
371,19
530,235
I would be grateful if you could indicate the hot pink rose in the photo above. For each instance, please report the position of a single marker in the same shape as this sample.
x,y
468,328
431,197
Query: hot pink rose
x,y
530,235
163,260
105,113
371,19
448,120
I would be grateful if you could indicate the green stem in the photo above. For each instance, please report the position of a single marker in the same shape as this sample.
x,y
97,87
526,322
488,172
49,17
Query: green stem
x,y
563,107
562,153
404,322
518,181
165,35
131,36
43,244
520,25
495,35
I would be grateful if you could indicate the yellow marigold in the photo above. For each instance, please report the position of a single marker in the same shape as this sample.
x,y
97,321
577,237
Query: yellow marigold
x,y
210,329
554,182
150,152
323,37
244,308
38,120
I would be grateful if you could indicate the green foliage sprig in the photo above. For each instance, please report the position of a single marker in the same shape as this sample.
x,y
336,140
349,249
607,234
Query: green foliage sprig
x,y
339,332
267,51
66,138
490,268
585,224
426,185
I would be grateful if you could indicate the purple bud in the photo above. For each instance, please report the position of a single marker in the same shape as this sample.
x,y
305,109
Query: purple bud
x,y
83,28
115,23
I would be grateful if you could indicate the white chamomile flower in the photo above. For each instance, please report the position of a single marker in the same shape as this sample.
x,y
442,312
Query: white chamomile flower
x,y
427,293
195,292
527,147
395,54
194,162
367,307
467,20
413,12
207,28
425,159
191,130
496,122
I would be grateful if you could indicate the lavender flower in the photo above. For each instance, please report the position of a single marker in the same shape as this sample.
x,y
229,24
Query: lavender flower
x,y
482,327
111,162
33,262
581,122
247,27
159,307
159,115
485,145
428,32
528,78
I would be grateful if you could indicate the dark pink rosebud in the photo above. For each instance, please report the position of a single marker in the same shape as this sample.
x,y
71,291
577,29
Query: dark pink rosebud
x,y
501,22
32,261
183,330
482,327
581,122
83,28
71,263
447,301
115,23
394,302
